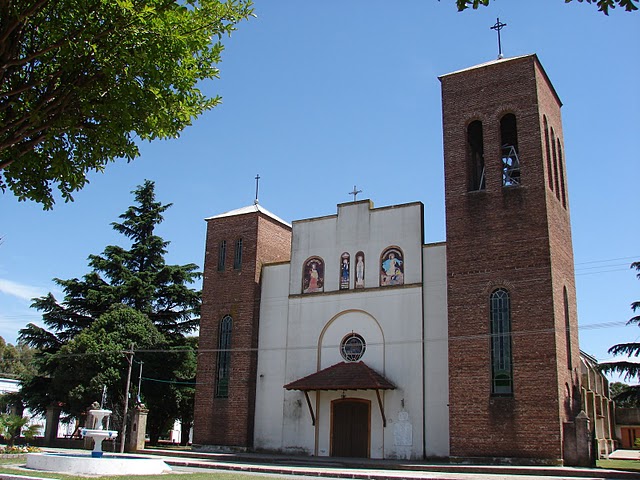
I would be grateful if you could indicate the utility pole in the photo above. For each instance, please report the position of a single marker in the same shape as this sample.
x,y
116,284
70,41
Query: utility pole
x,y
123,437
140,383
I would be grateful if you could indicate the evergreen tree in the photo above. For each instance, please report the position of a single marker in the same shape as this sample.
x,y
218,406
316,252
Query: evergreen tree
x,y
630,370
130,295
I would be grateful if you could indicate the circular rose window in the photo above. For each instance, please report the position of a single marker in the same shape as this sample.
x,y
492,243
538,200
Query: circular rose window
x,y
352,347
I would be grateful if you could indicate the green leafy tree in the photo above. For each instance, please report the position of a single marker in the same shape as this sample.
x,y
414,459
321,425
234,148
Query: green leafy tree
x,y
170,395
630,370
81,80
603,5
130,295
95,358
16,361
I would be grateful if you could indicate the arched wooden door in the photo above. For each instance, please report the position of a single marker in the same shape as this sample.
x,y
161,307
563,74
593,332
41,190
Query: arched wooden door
x,y
350,427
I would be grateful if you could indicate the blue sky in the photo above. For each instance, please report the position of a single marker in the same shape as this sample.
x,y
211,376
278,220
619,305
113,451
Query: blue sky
x,y
319,96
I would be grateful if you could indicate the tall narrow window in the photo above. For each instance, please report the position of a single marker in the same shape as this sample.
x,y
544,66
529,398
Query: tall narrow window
x,y
224,358
567,329
475,156
547,146
561,167
237,257
501,359
222,255
555,165
509,153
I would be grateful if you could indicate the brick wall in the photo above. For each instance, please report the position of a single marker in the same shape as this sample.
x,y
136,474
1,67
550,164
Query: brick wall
x,y
517,238
236,292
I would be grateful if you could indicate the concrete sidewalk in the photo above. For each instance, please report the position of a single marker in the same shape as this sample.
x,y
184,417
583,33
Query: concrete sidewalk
x,y
625,455
368,469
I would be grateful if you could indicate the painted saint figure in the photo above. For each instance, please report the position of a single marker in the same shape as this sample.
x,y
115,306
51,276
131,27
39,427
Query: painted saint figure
x,y
313,278
344,271
392,271
359,270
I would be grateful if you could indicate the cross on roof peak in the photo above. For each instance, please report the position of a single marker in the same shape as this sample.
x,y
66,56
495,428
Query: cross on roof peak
x,y
497,27
355,192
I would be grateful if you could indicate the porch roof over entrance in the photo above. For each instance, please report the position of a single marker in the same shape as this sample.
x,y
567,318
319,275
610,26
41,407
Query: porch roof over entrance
x,y
343,376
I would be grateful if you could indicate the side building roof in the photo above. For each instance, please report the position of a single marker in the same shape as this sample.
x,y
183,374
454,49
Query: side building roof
x,y
255,208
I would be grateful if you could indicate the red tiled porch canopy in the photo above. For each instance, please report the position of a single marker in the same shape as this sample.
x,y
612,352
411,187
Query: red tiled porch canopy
x,y
343,376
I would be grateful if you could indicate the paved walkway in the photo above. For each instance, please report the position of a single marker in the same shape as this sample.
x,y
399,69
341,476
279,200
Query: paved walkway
x,y
371,469
368,469
625,455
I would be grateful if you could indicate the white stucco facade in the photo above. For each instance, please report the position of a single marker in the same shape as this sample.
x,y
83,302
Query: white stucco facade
x,y
403,323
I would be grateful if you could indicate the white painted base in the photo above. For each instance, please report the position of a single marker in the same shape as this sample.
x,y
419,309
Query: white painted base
x,y
84,464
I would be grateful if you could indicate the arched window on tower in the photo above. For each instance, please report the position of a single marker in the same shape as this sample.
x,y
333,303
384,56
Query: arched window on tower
x,y
237,256
223,358
509,152
222,255
556,174
475,156
561,168
547,146
501,357
567,328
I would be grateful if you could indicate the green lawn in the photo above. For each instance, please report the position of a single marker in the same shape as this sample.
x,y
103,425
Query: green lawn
x,y
6,467
619,464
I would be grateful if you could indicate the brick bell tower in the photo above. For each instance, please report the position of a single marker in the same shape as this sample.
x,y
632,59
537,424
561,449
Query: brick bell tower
x,y
513,332
238,244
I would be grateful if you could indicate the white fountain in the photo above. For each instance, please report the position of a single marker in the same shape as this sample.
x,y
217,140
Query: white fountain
x,y
97,463
98,433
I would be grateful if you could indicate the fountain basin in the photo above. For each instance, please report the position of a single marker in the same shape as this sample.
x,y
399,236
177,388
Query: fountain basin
x,y
83,464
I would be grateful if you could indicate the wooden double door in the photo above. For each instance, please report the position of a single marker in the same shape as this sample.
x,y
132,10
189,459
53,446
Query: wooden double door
x,y
350,427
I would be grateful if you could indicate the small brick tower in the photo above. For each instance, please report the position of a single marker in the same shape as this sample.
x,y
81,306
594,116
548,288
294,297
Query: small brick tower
x,y
513,336
238,244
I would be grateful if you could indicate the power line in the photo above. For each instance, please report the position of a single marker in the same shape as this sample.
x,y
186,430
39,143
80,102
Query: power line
x,y
516,333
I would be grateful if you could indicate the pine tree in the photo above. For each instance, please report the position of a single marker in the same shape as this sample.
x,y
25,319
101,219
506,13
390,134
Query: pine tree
x,y
129,295
629,370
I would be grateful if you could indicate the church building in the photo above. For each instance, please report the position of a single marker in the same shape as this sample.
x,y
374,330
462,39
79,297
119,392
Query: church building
x,y
346,335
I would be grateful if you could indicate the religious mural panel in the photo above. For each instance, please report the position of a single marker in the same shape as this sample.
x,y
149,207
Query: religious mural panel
x,y
313,275
359,270
391,267
345,268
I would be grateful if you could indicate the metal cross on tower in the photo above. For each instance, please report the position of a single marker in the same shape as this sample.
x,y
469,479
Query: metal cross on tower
x,y
355,193
497,27
257,182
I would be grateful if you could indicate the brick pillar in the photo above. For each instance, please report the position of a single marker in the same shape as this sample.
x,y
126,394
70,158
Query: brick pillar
x,y
136,438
